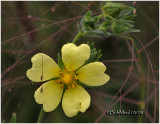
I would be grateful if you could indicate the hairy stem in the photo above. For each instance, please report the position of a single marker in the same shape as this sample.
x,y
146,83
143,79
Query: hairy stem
x,y
77,37
41,115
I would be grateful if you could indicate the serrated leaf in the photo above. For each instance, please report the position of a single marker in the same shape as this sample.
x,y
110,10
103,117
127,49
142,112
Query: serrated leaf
x,y
116,13
132,31
124,21
106,23
98,58
116,19
122,26
127,10
128,17
94,55
88,23
110,18
118,28
88,15
112,9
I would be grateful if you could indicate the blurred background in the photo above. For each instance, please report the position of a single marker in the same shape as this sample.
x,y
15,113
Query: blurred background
x,y
29,27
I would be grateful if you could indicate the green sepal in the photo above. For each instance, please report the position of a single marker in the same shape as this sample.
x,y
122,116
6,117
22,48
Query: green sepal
x,y
60,62
94,55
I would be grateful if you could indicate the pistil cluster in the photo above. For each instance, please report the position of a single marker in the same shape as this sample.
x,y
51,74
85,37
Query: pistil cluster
x,y
67,78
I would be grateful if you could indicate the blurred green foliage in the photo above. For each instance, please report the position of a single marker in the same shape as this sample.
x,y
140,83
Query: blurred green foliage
x,y
115,20
19,18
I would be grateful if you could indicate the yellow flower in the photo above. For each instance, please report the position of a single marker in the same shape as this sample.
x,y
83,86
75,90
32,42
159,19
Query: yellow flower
x,y
75,97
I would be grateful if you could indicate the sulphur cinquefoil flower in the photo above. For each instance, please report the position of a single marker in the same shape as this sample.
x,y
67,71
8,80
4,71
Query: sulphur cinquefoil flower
x,y
75,97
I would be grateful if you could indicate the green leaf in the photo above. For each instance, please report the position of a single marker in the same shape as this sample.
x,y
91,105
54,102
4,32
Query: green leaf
x,y
88,15
60,62
131,31
128,17
112,9
94,55
107,34
94,33
123,26
13,118
115,19
99,55
103,3
124,37
117,27
116,13
127,10
105,24
88,23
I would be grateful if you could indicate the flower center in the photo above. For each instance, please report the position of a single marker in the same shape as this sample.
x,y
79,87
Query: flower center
x,y
67,78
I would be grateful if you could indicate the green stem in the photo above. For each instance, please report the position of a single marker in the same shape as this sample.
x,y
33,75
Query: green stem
x,y
41,115
139,59
13,119
77,37
101,15
142,96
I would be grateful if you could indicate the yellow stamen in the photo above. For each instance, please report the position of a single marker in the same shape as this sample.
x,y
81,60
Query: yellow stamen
x,y
59,81
72,85
76,79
